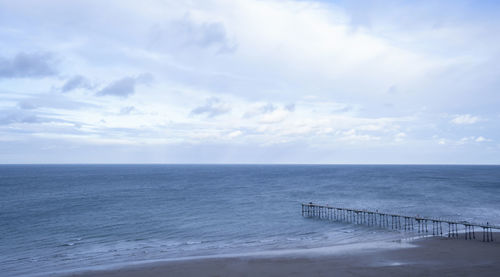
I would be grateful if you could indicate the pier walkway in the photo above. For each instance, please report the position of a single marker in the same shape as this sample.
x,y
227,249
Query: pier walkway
x,y
418,224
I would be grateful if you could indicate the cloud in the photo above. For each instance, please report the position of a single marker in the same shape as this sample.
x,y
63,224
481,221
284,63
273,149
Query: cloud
x,y
352,136
290,107
213,107
341,108
54,101
76,82
145,78
392,89
473,139
26,105
342,76
268,108
127,110
259,110
17,117
125,86
465,119
185,32
234,134
275,116
28,65
399,137
13,116
465,140
270,112
122,88
481,139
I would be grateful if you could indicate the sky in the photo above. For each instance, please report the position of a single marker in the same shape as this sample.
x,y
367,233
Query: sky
x,y
249,81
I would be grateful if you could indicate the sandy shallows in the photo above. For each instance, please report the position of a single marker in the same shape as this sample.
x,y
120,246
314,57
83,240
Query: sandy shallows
x,y
430,257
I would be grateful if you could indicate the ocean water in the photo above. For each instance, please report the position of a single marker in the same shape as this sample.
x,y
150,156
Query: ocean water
x,y
63,218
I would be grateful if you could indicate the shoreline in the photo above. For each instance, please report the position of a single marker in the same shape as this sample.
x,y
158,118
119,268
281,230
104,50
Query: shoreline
x,y
426,256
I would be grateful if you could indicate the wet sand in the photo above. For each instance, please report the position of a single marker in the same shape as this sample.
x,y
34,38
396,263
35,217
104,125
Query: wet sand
x,y
430,257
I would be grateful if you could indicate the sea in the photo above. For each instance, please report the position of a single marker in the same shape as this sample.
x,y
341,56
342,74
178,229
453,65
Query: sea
x,y
59,219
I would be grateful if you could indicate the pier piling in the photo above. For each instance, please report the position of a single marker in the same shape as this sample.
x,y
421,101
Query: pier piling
x,y
381,220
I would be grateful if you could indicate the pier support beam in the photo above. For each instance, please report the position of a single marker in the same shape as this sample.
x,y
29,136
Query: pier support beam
x,y
375,218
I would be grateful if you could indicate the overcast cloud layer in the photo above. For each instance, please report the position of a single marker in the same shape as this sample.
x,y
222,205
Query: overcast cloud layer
x,y
240,81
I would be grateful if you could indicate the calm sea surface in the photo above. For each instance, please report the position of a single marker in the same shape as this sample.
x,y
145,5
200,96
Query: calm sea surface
x,y
57,218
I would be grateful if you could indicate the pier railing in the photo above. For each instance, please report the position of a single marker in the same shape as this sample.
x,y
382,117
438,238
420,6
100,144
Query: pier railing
x,y
422,225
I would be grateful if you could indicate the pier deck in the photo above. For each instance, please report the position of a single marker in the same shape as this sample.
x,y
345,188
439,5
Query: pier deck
x,y
399,222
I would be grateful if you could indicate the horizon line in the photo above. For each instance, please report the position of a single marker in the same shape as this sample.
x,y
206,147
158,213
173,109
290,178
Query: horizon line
x,y
414,164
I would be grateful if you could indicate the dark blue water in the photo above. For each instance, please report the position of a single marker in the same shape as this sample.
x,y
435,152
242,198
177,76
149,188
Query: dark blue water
x,y
70,217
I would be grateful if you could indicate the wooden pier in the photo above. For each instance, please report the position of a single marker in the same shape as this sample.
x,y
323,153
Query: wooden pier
x,y
421,225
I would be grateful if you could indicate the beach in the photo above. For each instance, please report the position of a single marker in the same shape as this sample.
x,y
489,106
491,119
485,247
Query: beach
x,y
422,257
